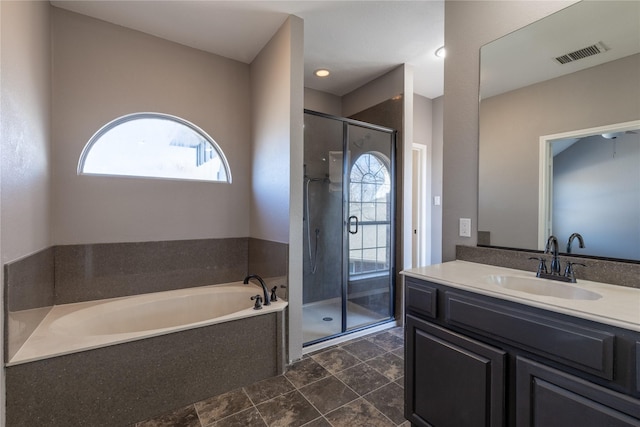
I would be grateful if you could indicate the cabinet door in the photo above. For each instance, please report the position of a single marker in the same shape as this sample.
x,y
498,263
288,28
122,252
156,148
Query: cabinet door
x,y
452,380
546,397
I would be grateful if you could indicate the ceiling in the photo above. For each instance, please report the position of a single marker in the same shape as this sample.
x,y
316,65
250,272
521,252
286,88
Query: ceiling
x,y
357,40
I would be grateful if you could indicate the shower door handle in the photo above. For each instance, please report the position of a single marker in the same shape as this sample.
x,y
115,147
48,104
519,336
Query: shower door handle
x,y
351,218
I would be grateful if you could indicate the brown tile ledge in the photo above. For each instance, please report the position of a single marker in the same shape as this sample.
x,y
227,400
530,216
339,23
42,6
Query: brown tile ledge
x,y
597,270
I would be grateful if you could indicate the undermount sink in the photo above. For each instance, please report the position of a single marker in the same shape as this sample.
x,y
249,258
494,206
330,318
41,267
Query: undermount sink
x,y
541,287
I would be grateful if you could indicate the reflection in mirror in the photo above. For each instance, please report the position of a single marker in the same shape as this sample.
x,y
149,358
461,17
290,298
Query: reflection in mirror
x,y
589,175
527,94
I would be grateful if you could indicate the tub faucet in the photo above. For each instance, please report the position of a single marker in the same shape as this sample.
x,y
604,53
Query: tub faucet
x,y
570,241
552,246
267,301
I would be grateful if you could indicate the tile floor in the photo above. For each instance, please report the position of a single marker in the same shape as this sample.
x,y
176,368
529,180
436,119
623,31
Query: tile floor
x,y
355,383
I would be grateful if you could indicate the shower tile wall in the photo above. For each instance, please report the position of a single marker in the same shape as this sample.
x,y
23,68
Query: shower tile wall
x,y
323,162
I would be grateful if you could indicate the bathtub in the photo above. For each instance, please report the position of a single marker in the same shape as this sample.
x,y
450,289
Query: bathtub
x,y
87,325
122,360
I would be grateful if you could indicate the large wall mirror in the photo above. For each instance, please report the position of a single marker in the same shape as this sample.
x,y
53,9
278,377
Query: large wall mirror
x,y
559,148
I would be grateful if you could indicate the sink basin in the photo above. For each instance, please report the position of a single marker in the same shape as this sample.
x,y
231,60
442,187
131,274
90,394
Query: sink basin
x,y
542,287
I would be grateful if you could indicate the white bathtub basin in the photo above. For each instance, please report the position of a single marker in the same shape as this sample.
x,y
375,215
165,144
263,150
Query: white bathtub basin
x,y
141,314
70,328
542,287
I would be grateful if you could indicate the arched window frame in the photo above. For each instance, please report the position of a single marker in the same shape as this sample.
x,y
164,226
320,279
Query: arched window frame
x,y
386,221
152,115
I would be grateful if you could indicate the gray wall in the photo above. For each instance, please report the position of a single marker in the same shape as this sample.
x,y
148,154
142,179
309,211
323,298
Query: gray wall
x,y
469,25
102,71
511,125
597,181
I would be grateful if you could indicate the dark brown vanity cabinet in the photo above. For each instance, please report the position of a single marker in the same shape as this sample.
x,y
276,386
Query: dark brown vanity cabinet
x,y
473,360
454,380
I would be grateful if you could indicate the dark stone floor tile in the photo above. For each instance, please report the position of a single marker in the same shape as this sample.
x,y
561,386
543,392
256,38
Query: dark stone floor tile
x,y
183,417
390,401
362,378
399,352
400,381
268,389
358,413
305,372
288,410
247,418
319,422
398,330
387,340
219,407
364,349
336,359
328,394
389,365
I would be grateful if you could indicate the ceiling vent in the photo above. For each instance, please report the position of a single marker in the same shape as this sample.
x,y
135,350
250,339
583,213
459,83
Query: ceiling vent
x,y
585,52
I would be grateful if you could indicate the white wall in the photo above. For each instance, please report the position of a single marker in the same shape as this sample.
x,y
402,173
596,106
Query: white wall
x,y
468,26
102,71
25,88
277,98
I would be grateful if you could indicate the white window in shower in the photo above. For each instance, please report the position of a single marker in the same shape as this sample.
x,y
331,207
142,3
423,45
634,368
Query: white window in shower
x,y
154,145
370,202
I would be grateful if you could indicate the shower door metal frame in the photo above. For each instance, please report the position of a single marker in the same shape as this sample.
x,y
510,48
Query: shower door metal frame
x,y
345,228
346,169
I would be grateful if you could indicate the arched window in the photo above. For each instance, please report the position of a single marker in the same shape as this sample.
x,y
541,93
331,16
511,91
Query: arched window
x,y
154,145
370,202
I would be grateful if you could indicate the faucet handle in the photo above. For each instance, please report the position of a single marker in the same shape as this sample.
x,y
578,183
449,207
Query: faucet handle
x,y
258,304
542,266
274,297
568,271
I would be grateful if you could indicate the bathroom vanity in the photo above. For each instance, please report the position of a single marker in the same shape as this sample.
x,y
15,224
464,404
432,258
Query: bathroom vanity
x,y
491,346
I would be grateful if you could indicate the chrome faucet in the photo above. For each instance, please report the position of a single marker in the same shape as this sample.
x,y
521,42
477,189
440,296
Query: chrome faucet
x,y
552,246
267,300
570,241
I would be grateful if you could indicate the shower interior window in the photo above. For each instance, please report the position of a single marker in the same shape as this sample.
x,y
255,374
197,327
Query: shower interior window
x,y
369,200
154,145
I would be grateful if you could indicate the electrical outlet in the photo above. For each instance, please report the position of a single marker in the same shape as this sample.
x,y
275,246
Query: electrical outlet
x,y
465,227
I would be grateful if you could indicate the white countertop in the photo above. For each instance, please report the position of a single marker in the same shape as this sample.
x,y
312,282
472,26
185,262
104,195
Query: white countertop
x,y
618,305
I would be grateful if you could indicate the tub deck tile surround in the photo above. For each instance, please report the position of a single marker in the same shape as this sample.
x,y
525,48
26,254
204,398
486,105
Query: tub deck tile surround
x,y
356,383
107,270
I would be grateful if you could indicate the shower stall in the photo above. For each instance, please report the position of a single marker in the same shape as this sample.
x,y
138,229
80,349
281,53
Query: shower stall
x,y
349,226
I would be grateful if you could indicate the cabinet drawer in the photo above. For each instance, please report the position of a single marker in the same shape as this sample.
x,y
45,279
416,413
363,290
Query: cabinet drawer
x,y
588,349
421,298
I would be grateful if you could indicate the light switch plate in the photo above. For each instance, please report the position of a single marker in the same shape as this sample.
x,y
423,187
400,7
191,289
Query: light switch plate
x,y
465,227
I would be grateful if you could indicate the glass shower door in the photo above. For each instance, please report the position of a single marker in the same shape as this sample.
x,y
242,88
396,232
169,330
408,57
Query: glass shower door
x,y
369,274
348,275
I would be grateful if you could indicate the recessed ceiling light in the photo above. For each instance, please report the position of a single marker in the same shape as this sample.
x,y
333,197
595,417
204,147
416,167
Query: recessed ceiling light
x,y
440,52
322,72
